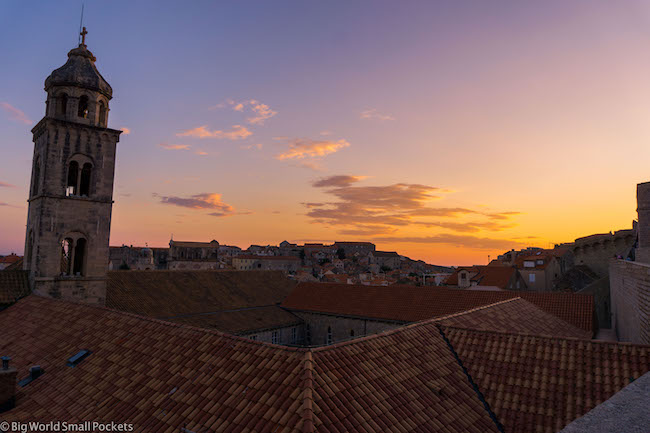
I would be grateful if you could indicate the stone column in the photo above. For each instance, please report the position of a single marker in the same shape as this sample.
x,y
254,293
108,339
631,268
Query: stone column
x,y
643,227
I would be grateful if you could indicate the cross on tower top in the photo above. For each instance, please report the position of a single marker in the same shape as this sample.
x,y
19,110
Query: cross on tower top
x,y
83,36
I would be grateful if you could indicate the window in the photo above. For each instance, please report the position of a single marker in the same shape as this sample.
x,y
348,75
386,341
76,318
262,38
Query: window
x,y
531,278
529,264
294,335
84,182
79,257
62,107
329,335
83,107
351,332
275,337
73,256
540,262
307,334
73,176
66,256
102,113
253,337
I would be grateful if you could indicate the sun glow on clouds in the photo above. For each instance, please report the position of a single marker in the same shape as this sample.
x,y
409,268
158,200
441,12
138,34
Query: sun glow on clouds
x,y
238,132
211,201
126,131
259,112
300,148
369,211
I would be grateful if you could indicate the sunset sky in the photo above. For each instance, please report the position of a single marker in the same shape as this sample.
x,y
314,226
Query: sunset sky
x,y
446,131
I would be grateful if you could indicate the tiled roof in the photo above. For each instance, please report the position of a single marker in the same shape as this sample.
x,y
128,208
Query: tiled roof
x,y
164,294
497,276
387,254
540,384
254,257
15,266
14,284
164,377
241,321
412,303
11,258
514,315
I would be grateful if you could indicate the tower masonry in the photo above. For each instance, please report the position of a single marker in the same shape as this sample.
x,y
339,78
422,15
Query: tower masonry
x,y
71,193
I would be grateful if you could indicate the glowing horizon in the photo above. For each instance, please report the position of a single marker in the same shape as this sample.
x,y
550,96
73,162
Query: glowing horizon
x,y
444,132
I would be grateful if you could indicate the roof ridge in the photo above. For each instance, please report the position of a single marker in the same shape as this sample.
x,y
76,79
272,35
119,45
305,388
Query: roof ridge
x,y
482,307
545,337
307,384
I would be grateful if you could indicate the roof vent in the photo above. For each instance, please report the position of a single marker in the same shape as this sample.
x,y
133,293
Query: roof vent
x,y
80,356
34,373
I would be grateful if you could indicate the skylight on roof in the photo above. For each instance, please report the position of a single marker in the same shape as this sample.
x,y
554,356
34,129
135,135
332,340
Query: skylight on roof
x,y
80,356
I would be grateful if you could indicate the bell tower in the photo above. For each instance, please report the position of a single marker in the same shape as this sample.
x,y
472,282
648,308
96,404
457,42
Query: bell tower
x,y
71,193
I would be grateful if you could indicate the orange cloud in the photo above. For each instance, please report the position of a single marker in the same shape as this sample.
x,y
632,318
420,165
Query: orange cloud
x,y
174,146
337,181
6,185
238,132
303,148
373,114
15,114
201,153
126,131
201,201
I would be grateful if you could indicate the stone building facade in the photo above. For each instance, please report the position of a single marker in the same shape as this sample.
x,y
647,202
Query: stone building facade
x,y
323,328
596,251
629,281
71,192
287,264
193,255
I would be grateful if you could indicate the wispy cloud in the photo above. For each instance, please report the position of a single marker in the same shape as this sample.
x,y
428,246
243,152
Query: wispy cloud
x,y
238,132
300,148
6,185
15,114
337,181
125,130
257,146
259,112
374,114
386,209
311,165
174,146
211,201
466,241
201,153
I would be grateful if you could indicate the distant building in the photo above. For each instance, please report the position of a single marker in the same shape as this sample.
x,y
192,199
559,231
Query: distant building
x,y
193,255
388,259
540,271
486,278
355,247
287,264
9,260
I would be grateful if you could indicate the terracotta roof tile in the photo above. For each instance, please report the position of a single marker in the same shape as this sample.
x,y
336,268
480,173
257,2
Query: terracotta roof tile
x,y
163,377
412,303
540,384
174,293
241,321
14,284
514,315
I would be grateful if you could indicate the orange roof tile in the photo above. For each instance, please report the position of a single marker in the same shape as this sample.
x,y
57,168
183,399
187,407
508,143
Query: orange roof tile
x,y
164,377
248,320
541,384
514,315
14,284
412,303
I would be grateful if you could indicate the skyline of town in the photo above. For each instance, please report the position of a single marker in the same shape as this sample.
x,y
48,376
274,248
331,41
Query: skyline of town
x,y
260,136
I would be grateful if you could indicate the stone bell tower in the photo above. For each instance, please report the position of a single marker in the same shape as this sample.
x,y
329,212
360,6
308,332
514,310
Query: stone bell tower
x,y
71,193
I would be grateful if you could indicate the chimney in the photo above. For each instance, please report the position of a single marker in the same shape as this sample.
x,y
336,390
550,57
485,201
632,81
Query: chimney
x,y
7,385
643,227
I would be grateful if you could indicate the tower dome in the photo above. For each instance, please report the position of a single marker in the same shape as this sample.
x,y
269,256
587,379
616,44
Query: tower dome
x,y
79,71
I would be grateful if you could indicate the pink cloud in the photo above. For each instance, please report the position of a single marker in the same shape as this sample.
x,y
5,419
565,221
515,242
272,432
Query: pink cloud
x,y
125,130
374,114
174,146
300,148
6,185
237,132
15,114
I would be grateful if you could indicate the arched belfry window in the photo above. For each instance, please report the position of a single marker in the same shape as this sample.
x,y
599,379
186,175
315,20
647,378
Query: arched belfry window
x,y
73,179
62,104
84,182
102,113
80,171
83,107
73,255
